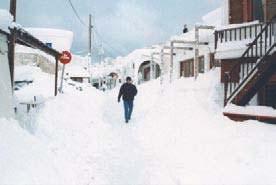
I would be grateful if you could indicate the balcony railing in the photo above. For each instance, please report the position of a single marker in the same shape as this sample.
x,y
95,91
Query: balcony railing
x,y
243,32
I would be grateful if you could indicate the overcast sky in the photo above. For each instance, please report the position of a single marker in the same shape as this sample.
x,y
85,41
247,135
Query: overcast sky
x,y
124,25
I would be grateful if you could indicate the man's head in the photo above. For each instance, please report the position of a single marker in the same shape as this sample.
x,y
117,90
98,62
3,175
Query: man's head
x,y
128,80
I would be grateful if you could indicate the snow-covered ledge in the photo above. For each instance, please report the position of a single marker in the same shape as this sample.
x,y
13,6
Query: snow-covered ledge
x,y
250,110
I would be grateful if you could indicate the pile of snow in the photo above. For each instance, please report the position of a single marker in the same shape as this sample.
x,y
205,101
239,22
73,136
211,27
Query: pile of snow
x,y
6,20
42,83
25,159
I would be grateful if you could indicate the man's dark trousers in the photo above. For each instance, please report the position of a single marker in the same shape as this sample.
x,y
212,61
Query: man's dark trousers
x,y
128,105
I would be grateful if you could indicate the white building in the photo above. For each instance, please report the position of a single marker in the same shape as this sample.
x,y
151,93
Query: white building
x,y
6,107
6,100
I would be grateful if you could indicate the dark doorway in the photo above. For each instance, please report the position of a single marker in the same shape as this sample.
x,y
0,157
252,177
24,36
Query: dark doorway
x,y
271,95
144,70
258,10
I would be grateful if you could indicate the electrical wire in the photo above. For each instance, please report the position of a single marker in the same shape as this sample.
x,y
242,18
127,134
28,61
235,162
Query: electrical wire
x,y
95,31
76,13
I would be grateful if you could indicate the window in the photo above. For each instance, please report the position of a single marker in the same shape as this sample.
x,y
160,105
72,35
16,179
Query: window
x,y
258,10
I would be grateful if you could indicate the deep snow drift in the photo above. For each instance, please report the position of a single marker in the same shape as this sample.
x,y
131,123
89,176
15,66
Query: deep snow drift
x,y
177,136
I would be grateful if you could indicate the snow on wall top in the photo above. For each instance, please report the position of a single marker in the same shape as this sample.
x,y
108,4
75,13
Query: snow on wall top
x,y
6,20
232,26
60,40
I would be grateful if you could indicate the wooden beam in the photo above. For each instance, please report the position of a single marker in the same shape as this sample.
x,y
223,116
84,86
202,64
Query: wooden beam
x,y
28,39
13,9
12,39
11,56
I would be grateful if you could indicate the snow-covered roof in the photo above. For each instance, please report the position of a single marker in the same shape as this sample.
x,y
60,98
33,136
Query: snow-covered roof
x,y
26,73
206,35
61,40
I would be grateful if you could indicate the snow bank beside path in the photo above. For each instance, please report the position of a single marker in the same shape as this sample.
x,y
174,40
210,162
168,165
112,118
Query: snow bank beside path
x,y
192,143
24,159
71,126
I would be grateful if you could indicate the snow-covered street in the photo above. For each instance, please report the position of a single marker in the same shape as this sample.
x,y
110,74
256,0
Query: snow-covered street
x,y
138,92
177,136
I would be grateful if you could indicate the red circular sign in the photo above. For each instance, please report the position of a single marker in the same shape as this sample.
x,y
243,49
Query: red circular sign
x,y
65,57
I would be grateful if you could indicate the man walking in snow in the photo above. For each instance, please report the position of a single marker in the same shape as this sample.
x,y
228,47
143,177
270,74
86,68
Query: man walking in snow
x,y
128,91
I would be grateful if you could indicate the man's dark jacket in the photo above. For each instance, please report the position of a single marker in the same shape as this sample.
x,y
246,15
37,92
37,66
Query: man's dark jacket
x,y
128,91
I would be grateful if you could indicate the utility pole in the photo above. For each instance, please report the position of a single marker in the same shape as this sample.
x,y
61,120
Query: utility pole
x,y
13,9
89,44
12,41
90,34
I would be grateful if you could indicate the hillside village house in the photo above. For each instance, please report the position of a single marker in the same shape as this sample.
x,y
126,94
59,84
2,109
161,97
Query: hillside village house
x,y
24,38
184,59
246,50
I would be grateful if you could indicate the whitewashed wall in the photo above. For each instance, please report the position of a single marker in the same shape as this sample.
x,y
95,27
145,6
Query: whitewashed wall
x,y
6,101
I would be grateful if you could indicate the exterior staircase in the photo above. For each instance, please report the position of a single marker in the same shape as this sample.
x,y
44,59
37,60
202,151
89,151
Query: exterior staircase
x,y
257,65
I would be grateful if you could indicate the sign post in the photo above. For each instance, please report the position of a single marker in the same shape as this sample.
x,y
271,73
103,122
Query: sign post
x,y
65,58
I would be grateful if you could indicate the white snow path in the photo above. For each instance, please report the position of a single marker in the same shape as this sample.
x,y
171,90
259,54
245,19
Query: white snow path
x,y
158,147
129,162
176,137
